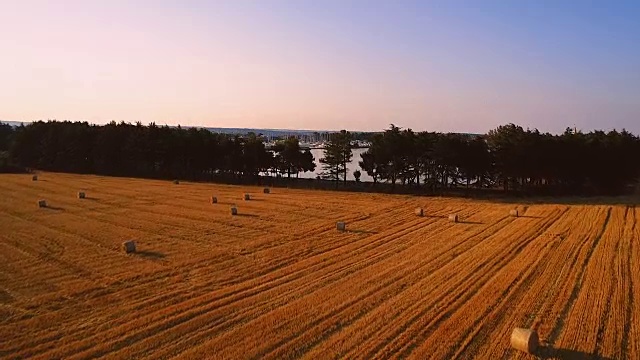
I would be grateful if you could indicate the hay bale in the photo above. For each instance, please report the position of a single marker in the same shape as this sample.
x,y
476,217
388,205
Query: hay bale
x,y
214,200
42,203
453,218
341,226
247,197
513,213
525,340
419,212
129,246
234,210
34,178
176,182
266,191
81,195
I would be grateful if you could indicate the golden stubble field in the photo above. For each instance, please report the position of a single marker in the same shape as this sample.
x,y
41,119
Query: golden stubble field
x,y
278,281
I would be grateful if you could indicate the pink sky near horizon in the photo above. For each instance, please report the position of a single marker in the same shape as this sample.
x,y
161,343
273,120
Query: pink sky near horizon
x,y
246,64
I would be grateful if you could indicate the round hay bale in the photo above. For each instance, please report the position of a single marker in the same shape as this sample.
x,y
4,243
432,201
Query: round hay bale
x,y
266,191
247,197
513,213
419,212
81,195
129,246
453,218
341,226
34,178
525,340
234,210
42,203
176,182
214,200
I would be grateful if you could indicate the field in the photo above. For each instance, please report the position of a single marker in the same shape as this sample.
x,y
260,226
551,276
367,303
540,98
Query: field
x,y
278,281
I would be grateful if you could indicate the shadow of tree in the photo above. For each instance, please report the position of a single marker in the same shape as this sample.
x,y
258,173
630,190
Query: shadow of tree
x,y
628,200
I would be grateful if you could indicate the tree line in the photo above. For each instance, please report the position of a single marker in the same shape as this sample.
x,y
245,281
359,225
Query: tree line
x,y
122,149
508,157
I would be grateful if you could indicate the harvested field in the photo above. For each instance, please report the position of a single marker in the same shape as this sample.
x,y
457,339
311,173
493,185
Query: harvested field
x,y
278,281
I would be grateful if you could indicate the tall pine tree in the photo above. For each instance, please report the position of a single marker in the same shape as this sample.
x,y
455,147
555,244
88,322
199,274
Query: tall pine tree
x,y
337,154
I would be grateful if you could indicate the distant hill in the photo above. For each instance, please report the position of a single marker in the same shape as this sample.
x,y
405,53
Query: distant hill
x,y
239,131
217,129
14,123
270,133
265,132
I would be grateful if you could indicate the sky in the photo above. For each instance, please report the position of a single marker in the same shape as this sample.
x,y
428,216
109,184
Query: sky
x,y
452,66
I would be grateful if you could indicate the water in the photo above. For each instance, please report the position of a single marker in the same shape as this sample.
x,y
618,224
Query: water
x,y
352,166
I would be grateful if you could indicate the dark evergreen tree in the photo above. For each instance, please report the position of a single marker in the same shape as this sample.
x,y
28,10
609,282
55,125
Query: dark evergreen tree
x,y
337,154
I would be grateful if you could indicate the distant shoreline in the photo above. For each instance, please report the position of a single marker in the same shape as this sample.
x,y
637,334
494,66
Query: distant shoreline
x,y
232,131
223,130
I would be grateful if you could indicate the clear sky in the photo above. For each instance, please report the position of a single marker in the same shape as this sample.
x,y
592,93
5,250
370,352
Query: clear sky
x,y
464,66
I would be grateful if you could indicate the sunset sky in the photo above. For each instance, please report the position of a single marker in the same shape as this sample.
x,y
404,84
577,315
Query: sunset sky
x,y
464,66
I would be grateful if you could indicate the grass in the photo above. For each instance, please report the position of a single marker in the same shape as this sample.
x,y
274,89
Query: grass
x,y
282,282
